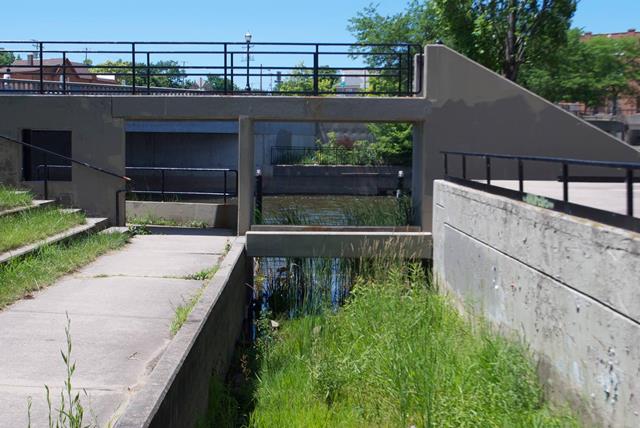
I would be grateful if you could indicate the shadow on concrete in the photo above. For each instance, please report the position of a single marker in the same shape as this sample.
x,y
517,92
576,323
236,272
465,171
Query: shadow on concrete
x,y
190,231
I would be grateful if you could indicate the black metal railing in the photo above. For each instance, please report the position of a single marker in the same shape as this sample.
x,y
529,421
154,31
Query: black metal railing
x,y
87,165
228,176
197,68
564,165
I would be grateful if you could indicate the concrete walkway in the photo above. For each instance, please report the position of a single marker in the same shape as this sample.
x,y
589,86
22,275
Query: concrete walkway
x,y
121,307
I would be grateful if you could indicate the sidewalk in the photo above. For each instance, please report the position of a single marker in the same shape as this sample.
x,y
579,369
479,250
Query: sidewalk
x,y
120,306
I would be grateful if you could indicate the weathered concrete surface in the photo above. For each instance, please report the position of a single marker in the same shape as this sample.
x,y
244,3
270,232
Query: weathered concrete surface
x,y
213,215
352,244
119,327
177,391
564,285
474,109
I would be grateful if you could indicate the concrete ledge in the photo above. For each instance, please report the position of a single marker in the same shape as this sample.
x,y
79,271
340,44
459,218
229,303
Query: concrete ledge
x,y
339,244
213,215
92,225
35,204
176,393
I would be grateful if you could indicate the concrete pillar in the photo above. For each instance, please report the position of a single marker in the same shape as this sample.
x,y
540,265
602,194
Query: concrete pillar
x,y
418,71
246,164
421,181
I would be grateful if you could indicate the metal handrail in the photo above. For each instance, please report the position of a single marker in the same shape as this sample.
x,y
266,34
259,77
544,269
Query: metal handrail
x,y
399,69
628,167
225,171
126,179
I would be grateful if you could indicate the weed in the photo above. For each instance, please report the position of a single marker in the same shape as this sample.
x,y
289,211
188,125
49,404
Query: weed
x,y
182,311
12,198
203,275
154,220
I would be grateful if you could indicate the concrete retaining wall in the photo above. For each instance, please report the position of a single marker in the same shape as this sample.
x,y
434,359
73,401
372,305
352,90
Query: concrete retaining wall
x,y
567,286
335,180
214,215
177,391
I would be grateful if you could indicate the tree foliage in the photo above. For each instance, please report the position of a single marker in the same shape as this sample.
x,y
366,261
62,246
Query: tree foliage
x,y
165,74
590,71
6,58
301,81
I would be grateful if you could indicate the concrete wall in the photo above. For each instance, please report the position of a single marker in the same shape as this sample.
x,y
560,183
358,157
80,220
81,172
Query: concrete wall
x,y
335,180
213,215
97,138
475,109
177,391
566,286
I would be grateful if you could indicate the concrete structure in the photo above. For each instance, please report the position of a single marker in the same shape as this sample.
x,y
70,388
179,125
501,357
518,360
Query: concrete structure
x,y
333,243
121,307
176,393
565,286
464,107
212,215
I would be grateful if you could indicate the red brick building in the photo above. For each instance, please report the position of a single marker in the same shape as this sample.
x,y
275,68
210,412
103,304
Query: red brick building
x,y
53,70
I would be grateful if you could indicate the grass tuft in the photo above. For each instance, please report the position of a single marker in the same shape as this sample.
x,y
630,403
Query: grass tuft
x,y
182,311
203,275
27,227
20,277
153,220
11,198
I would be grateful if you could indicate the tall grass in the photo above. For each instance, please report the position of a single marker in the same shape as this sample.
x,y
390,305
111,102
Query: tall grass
x,y
397,354
27,227
11,198
20,277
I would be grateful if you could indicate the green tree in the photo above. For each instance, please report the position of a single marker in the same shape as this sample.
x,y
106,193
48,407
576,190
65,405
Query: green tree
x,y
216,83
164,74
500,34
6,58
301,81
591,71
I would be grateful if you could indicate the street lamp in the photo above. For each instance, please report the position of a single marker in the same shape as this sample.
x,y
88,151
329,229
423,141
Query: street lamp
x,y
247,38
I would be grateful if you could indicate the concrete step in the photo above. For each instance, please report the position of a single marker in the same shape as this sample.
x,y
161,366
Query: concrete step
x,y
92,225
34,205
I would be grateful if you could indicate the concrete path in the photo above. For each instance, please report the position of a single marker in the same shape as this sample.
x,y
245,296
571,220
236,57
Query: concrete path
x,y
121,307
604,196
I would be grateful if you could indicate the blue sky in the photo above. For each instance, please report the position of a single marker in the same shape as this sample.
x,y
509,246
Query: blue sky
x,y
216,20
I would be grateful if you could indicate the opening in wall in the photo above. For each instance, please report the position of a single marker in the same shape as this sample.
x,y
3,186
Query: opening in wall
x,y
37,165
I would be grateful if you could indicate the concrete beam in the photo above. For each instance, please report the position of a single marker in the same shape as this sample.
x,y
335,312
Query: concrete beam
x,y
246,149
339,244
327,109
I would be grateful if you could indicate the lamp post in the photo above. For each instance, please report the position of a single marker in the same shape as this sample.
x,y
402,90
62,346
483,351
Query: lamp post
x,y
247,38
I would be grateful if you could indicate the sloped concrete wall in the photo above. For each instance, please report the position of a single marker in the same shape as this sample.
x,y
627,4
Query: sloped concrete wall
x,y
566,286
475,109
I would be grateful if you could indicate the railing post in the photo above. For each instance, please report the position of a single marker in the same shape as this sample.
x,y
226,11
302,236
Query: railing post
x,y
565,182
224,197
520,176
630,192
399,75
148,73
224,83
133,68
446,165
46,178
400,185
488,168
409,71
64,73
232,72
258,212
162,184
41,68
316,71
464,167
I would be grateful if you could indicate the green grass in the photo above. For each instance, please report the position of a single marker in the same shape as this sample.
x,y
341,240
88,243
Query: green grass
x,y
397,354
204,274
182,311
18,278
151,219
10,198
27,227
